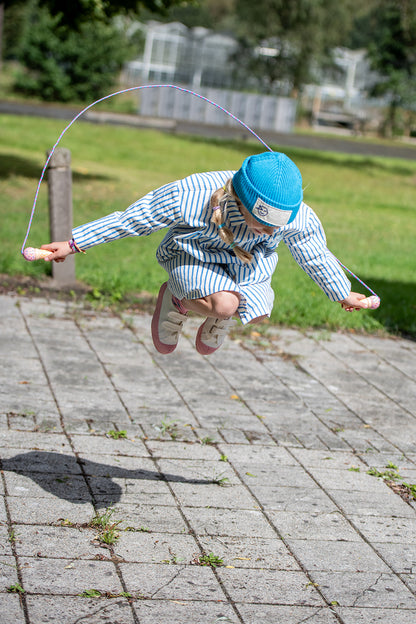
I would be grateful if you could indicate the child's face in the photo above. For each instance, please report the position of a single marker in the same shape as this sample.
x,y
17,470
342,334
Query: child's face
x,y
255,226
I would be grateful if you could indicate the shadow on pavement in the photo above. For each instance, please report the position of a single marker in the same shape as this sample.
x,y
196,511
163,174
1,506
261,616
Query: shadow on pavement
x,y
64,476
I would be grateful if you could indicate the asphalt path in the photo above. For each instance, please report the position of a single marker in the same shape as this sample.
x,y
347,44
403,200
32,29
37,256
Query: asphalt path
x,y
347,144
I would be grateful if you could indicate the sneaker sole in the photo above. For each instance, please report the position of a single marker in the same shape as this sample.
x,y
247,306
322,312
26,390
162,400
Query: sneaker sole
x,y
160,346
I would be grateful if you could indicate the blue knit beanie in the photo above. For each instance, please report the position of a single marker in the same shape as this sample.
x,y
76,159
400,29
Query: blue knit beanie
x,y
270,186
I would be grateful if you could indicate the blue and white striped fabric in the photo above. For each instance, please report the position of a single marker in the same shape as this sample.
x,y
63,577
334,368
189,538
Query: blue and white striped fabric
x,y
199,263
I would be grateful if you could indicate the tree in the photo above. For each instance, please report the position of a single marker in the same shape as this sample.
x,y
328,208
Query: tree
x,y
1,31
78,11
5,4
282,40
71,49
207,13
63,64
390,38
73,13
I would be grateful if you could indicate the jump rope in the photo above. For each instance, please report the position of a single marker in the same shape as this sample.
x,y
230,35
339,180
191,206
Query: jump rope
x,y
32,253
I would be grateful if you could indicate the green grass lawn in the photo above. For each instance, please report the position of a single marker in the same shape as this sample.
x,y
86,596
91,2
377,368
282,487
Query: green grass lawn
x,y
367,206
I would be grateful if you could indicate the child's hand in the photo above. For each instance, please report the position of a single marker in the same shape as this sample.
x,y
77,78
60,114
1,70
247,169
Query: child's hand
x,y
59,251
354,301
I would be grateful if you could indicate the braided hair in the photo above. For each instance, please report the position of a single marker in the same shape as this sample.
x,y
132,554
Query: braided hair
x,y
219,202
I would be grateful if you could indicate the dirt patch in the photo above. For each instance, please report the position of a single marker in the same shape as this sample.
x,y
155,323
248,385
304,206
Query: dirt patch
x,y
24,286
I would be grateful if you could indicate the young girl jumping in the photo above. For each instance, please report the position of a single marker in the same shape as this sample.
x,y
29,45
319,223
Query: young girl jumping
x,y
220,248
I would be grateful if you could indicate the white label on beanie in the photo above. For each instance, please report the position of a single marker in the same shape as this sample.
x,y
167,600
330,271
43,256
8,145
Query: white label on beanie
x,y
270,214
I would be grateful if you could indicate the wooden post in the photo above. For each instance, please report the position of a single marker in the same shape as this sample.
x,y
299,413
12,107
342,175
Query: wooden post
x,y
60,211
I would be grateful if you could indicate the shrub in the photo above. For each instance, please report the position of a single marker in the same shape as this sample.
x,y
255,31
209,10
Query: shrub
x,y
63,64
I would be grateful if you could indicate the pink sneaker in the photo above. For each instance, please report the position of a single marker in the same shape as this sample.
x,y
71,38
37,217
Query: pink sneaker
x,y
167,322
212,334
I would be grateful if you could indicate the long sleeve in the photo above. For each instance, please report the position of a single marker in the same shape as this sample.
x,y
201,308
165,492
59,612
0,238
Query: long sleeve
x,y
156,210
306,240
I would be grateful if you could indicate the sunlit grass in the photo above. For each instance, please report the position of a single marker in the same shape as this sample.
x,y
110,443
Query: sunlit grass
x,y
366,204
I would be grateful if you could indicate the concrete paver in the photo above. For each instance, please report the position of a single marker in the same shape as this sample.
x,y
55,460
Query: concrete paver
x,y
233,493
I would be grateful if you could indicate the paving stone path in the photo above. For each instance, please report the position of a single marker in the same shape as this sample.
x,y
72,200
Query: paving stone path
x,y
231,488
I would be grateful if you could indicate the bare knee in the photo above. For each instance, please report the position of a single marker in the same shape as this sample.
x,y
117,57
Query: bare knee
x,y
221,305
224,304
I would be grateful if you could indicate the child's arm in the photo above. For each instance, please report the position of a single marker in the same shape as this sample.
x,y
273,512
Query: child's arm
x,y
306,240
158,209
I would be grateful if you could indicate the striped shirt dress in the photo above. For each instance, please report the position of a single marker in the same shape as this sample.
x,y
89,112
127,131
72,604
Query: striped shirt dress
x,y
196,259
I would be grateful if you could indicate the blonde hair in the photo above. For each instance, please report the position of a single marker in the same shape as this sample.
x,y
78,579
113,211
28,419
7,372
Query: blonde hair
x,y
219,203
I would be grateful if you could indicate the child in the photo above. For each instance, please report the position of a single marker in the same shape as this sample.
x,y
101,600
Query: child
x,y
220,248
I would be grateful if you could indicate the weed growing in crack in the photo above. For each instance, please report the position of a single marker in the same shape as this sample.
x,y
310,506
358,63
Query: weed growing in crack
x,y
174,559
168,427
387,475
207,440
90,593
66,522
210,560
62,479
12,536
16,589
218,479
96,593
116,435
108,533
395,481
109,536
101,521
142,529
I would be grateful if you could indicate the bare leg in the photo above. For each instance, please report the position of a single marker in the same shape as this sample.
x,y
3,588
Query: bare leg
x,y
258,319
221,305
